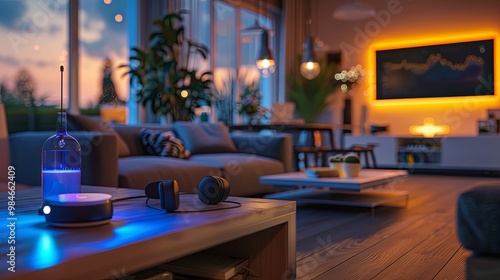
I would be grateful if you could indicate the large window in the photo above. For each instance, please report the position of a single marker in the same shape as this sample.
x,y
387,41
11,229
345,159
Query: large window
x,y
33,46
250,46
197,25
224,57
237,39
36,43
103,47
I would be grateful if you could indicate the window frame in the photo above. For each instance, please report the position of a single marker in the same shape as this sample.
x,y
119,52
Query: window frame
x,y
136,27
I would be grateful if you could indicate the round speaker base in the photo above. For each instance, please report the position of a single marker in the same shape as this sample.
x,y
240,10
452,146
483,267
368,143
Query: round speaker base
x,y
78,210
79,225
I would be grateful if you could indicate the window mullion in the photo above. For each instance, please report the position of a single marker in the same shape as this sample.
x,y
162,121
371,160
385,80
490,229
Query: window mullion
x,y
73,40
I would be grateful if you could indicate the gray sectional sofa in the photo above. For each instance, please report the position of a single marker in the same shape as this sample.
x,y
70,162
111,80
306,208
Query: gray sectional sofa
x,y
114,156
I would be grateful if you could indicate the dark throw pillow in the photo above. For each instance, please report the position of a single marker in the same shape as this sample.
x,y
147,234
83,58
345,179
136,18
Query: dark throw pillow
x,y
163,144
205,138
88,123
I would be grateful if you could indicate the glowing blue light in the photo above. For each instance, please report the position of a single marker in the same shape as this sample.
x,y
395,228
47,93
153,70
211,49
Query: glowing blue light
x,y
46,253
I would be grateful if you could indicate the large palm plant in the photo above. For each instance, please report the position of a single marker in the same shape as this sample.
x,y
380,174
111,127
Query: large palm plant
x,y
170,83
311,96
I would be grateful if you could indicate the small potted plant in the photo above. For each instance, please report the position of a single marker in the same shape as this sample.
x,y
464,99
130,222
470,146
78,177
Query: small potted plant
x,y
352,165
336,162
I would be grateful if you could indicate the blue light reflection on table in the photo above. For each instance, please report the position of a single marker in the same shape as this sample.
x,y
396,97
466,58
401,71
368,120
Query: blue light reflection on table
x,y
125,232
40,246
46,252
45,240
31,231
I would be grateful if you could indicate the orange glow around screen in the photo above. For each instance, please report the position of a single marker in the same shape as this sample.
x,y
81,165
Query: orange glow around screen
x,y
405,43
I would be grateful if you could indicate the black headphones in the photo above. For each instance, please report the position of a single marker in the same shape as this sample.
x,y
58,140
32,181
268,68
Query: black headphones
x,y
211,190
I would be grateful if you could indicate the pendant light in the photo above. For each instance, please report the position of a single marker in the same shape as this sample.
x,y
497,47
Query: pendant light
x,y
309,67
265,60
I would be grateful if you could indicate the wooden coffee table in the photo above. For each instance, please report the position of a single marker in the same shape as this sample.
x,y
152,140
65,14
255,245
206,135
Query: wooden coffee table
x,y
360,191
139,237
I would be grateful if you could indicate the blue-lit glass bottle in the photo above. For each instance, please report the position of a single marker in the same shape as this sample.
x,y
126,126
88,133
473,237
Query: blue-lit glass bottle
x,y
61,162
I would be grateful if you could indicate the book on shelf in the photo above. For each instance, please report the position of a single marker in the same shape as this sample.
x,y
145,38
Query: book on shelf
x,y
318,172
208,266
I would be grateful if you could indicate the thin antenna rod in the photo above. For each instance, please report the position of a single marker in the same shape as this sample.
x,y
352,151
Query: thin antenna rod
x,y
62,70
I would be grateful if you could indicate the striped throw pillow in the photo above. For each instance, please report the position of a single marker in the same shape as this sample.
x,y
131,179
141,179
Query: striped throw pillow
x,y
163,144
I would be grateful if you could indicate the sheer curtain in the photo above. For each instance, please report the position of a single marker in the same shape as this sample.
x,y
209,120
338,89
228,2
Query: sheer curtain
x,y
294,35
146,12
149,11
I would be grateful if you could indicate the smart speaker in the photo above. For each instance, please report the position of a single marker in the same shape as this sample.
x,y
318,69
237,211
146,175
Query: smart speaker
x,y
78,209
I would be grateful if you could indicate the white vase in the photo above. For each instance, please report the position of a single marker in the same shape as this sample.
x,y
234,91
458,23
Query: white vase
x,y
351,169
339,167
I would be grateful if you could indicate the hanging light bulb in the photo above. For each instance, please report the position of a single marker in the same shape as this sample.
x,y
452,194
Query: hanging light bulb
x,y
309,68
265,61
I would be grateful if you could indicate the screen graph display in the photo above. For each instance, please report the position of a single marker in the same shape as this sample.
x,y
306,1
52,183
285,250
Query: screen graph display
x,y
445,70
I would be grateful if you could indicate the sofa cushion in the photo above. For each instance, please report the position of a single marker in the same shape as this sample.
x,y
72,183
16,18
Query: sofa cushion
x,y
136,172
205,138
242,171
163,144
87,123
130,135
478,218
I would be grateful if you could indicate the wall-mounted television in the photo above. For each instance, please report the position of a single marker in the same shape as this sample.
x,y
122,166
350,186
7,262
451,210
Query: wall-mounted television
x,y
445,70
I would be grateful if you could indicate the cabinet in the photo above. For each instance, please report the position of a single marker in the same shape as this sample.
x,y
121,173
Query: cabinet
x,y
419,151
470,153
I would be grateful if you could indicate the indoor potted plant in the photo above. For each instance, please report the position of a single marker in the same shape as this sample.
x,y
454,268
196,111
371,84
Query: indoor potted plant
x,y
336,162
169,81
312,97
249,105
352,165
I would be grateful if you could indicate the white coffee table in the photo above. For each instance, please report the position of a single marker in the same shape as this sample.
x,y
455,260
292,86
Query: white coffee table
x,y
357,191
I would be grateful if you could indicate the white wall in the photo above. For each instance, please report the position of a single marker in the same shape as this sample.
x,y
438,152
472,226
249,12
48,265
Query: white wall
x,y
408,22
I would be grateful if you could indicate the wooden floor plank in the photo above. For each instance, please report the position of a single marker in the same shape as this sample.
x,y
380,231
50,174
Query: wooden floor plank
x,y
382,254
425,260
333,242
455,268
333,252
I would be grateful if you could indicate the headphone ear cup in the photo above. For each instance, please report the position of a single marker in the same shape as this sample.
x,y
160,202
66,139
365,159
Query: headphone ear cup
x,y
225,188
151,190
213,190
169,195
